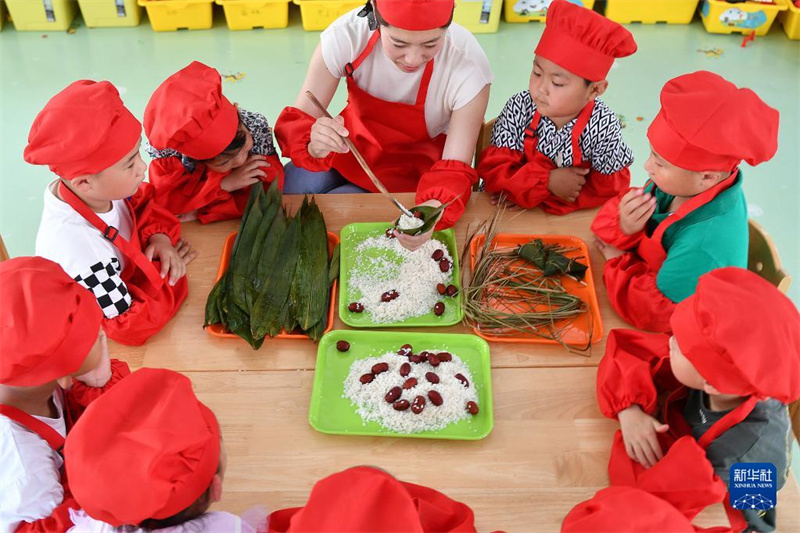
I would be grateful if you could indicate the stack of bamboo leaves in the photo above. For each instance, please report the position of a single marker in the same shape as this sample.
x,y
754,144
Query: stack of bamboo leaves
x,y
279,276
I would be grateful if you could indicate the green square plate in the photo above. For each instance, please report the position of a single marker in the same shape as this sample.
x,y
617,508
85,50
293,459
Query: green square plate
x,y
351,236
331,412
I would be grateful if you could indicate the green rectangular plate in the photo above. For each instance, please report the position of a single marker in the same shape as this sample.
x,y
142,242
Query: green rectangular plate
x,y
351,236
331,413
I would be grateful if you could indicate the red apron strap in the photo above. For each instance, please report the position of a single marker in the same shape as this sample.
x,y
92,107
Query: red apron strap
x,y
351,67
110,233
425,82
728,421
577,130
53,437
693,203
531,139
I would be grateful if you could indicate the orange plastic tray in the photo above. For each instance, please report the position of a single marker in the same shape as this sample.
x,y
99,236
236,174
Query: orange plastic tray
x,y
218,330
578,332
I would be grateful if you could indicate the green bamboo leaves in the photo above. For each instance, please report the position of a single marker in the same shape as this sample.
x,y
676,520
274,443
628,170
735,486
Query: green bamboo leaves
x,y
279,276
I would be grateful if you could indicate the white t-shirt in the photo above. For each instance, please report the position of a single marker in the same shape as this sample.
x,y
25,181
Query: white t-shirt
x,y
30,470
214,521
460,69
68,239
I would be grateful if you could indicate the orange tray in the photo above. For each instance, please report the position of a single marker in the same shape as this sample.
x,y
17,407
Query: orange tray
x,y
578,332
218,330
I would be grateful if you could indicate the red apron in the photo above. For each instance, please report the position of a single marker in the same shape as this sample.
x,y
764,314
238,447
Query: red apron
x,y
392,136
671,478
154,301
532,153
650,248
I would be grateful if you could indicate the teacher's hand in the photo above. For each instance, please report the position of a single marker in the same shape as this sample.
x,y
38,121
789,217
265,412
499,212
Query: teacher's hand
x,y
327,136
412,242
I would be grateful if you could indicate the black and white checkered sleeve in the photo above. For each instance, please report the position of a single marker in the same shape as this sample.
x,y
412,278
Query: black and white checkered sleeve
x,y
509,129
103,279
607,150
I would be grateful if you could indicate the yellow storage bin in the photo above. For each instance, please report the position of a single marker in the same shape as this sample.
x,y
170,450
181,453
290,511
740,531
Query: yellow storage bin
x,y
747,17
251,14
110,13
42,15
172,15
478,16
318,14
790,20
528,10
651,11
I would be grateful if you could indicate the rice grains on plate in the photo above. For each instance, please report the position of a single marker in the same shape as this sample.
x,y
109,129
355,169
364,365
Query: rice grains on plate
x,y
370,398
413,276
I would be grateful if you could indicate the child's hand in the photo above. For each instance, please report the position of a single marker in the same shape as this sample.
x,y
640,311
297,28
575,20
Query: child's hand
x,y
635,209
567,182
99,375
327,136
247,174
412,242
608,251
173,258
640,434
511,207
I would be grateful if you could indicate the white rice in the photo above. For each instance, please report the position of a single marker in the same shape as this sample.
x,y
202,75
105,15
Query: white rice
x,y
371,405
406,222
414,275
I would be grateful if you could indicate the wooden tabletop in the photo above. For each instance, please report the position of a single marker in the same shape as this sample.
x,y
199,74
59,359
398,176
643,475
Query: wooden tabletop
x,y
548,451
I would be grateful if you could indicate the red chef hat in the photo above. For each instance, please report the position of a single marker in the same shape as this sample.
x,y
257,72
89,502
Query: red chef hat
x,y
416,15
707,123
625,510
82,130
189,113
582,41
48,323
368,500
741,334
147,448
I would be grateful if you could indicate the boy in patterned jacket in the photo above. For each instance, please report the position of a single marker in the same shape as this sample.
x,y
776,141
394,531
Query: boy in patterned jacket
x,y
556,145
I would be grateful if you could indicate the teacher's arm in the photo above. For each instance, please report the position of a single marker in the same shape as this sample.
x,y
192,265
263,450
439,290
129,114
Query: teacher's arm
x,y
303,135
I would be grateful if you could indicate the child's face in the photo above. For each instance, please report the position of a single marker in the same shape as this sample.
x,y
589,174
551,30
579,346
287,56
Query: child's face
x,y
410,50
226,163
676,181
683,370
118,181
558,93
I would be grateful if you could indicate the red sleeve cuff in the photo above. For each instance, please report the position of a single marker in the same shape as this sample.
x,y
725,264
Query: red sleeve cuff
x,y
445,181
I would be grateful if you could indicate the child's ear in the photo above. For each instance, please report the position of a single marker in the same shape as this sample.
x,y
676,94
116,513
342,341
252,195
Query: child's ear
x,y
710,389
64,382
598,88
712,177
81,183
216,488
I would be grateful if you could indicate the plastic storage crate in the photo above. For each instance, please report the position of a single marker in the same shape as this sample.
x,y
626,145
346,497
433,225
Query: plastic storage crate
x,y
42,15
251,14
651,11
528,10
110,13
318,14
722,17
478,16
172,15
790,20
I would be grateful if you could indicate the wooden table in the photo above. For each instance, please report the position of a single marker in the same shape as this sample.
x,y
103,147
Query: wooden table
x,y
548,451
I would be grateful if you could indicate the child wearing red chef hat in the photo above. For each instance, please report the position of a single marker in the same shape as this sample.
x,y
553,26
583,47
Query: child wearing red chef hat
x,y
54,361
369,500
711,395
100,222
691,217
557,145
146,456
206,151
